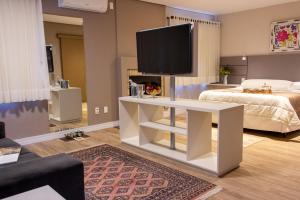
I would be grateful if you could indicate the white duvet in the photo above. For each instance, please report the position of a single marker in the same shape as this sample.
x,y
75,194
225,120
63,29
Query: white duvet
x,y
260,107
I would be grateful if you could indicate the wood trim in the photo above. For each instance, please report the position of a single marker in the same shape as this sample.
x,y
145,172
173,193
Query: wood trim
x,y
70,36
61,134
61,62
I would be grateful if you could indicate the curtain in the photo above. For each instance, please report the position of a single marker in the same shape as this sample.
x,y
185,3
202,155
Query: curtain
x,y
23,62
208,52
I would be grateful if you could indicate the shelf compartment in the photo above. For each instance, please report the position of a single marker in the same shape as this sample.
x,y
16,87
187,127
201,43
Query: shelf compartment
x,y
163,127
207,162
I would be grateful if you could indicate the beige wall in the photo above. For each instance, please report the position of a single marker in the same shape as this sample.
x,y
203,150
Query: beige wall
x,y
100,53
51,31
248,32
25,119
132,16
73,61
107,36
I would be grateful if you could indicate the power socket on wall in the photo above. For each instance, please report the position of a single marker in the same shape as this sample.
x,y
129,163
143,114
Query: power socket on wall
x,y
97,110
105,109
111,5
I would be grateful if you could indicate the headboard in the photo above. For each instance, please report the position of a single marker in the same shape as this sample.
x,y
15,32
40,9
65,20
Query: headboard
x,y
238,68
277,66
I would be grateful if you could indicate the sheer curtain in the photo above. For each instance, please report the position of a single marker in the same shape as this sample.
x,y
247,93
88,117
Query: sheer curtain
x,y
23,63
208,52
208,57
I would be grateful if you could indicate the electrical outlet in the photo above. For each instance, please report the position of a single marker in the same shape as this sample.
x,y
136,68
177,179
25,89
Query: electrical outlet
x,y
105,109
111,5
97,110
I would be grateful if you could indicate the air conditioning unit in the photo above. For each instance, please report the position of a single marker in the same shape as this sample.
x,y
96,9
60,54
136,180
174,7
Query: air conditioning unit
x,y
85,5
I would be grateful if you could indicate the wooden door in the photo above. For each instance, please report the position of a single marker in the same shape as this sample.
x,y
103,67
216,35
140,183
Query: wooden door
x,y
73,61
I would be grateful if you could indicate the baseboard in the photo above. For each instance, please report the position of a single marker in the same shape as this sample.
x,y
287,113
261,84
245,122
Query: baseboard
x,y
61,134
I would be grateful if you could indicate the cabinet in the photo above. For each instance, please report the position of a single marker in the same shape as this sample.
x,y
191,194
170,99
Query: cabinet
x,y
66,104
139,127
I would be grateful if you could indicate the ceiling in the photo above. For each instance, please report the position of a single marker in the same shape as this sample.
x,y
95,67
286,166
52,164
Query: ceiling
x,y
219,7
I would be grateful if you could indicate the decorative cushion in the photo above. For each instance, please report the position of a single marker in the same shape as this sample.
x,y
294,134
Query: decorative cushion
x,y
25,154
296,86
31,172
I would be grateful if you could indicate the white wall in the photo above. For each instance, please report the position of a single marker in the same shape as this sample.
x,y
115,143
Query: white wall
x,y
248,32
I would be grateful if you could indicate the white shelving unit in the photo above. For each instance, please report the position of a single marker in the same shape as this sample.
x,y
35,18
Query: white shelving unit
x,y
163,127
139,127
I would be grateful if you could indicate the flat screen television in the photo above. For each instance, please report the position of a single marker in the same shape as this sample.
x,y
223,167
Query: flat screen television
x,y
50,58
166,51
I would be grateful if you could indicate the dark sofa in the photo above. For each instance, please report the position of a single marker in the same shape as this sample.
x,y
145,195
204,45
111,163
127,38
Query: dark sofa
x,y
62,172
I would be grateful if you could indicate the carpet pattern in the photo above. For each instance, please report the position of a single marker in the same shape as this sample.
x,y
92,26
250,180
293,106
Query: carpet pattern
x,y
115,174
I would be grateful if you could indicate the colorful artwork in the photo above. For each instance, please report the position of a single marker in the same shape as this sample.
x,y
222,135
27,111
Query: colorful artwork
x,y
285,36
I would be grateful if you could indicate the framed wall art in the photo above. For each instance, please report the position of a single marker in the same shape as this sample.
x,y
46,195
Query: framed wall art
x,y
285,36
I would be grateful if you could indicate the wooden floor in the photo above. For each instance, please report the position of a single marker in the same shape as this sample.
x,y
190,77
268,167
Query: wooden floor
x,y
270,169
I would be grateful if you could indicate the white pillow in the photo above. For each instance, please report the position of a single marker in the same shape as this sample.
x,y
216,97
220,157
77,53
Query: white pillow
x,y
296,86
275,84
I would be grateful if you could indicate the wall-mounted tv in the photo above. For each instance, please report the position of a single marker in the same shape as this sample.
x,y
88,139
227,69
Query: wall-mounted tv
x,y
166,51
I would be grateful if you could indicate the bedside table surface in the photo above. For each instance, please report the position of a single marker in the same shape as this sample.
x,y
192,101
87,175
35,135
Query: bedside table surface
x,y
221,84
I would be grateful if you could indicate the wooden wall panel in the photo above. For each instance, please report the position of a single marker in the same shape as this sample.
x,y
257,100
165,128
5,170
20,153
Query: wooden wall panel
x,y
238,68
275,66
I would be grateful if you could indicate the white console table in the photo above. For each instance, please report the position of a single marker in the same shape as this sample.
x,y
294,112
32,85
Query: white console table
x,y
66,104
139,127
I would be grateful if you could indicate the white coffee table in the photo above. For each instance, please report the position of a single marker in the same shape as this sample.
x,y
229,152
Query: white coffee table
x,y
45,193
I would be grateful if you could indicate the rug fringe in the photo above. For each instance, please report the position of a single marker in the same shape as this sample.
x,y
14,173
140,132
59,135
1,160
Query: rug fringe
x,y
210,193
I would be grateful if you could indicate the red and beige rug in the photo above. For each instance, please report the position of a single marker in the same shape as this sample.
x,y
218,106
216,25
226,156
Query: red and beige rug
x,y
115,174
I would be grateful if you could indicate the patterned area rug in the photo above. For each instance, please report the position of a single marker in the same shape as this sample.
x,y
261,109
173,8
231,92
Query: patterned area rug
x,y
114,174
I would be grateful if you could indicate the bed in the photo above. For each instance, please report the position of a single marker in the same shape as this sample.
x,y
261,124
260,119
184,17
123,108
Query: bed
x,y
277,112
